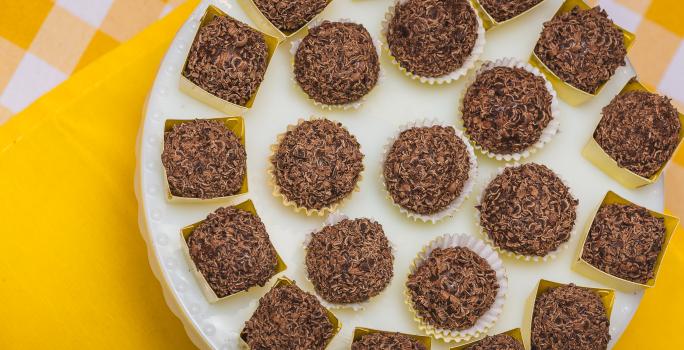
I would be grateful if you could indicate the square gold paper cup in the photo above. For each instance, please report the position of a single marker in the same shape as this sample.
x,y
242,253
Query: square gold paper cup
x,y
204,285
582,266
607,297
516,333
265,24
337,324
566,91
361,331
594,153
234,124
196,92
489,22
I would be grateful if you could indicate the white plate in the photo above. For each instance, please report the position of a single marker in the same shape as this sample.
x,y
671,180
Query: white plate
x,y
397,101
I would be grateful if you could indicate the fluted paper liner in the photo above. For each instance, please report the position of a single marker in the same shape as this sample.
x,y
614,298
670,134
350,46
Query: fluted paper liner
x,y
359,332
489,318
255,14
489,21
515,333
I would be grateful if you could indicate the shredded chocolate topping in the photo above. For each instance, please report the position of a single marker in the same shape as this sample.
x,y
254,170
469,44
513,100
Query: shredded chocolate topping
x,y
528,210
506,109
497,342
640,130
337,63
569,317
426,168
290,15
232,251
502,10
317,164
203,159
624,241
432,38
582,47
288,318
349,262
387,341
453,288
227,59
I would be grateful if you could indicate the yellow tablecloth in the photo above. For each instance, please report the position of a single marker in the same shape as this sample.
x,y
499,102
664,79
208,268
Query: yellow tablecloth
x,y
73,266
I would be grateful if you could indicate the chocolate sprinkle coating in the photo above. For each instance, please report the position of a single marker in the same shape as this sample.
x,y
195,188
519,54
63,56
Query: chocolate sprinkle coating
x,y
453,288
569,317
624,241
317,164
290,15
497,342
528,210
288,318
426,168
506,109
228,59
502,10
432,38
582,47
640,130
203,159
349,262
231,249
387,341
337,63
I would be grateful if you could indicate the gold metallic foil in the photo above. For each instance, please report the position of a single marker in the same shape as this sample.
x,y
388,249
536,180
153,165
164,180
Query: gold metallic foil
x,y
361,331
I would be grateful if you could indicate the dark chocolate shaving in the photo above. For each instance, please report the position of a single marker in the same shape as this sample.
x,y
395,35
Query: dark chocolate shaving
x,y
453,288
349,262
625,241
317,164
203,159
640,130
290,15
569,317
432,38
503,10
582,47
387,341
227,59
506,109
337,63
497,342
528,210
288,318
231,249
426,168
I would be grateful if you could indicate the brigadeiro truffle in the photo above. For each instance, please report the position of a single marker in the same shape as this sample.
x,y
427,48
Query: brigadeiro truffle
x,y
582,47
434,38
316,164
203,159
527,210
497,342
228,59
290,319
350,261
290,15
503,10
337,63
428,170
387,340
231,249
625,241
640,131
508,110
569,317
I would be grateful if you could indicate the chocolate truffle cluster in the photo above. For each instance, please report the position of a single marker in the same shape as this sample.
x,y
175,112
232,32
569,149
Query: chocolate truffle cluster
x,y
502,10
497,342
290,15
384,340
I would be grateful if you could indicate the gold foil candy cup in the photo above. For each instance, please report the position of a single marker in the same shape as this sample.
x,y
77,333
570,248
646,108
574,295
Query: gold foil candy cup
x,y
359,332
266,26
515,333
489,22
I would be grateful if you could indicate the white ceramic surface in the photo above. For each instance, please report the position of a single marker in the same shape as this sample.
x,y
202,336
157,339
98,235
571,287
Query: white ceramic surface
x,y
398,101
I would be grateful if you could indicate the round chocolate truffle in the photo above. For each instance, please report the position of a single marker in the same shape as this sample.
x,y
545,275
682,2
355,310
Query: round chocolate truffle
x,y
625,241
426,169
350,261
505,110
582,47
386,340
290,15
453,288
528,210
640,130
203,159
288,318
432,38
228,59
337,63
503,10
231,249
497,342
317,164
569,317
